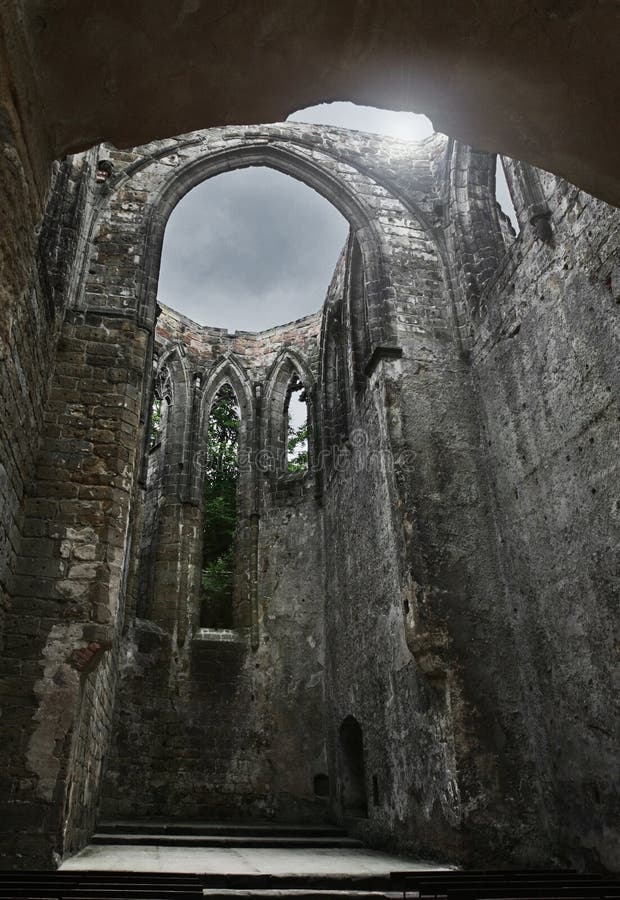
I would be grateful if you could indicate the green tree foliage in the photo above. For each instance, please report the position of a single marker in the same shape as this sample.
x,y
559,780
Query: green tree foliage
x,y
297,438
297,460
220,510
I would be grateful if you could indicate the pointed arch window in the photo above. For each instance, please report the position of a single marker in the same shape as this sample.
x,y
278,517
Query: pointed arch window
x,y
291,416
220,511
162,398
296,413
509,220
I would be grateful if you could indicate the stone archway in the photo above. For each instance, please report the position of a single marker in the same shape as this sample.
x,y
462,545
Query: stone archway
x,y
353,770
493,74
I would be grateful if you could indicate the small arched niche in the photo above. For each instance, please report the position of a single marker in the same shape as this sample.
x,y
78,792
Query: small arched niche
x,y
352,770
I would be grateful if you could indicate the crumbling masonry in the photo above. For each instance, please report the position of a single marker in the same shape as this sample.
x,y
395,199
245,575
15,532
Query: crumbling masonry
x,y
423,623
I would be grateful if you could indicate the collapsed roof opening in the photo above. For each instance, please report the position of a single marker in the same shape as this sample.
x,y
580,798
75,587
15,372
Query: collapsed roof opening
x,y
403,125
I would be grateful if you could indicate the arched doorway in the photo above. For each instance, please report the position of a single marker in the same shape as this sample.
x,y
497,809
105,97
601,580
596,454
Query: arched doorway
x,y
353,772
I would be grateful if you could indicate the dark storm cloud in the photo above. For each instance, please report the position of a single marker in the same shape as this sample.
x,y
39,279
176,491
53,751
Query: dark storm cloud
x,y
254,248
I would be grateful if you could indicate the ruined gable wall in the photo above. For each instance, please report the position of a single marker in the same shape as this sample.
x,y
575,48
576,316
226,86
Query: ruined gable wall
x,y
120,271
109,334
210,728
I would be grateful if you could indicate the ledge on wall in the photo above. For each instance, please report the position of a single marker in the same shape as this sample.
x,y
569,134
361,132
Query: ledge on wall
x,y
380,352
223,638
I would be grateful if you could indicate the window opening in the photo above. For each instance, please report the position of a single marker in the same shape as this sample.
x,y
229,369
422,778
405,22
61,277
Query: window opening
x,y
503,195
220,511
157,416
249,250
162,397
400,124
296,410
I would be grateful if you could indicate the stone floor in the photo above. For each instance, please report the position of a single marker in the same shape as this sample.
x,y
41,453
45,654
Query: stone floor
x,y
285,861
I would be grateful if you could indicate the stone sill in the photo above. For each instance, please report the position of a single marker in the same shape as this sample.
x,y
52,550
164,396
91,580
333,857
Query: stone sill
x,y
215,637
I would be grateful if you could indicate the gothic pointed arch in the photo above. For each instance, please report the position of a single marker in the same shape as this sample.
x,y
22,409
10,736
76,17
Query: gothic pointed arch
x,y
234,609
290,371
295,163
174,358
171,385
171,375
227,368
219,567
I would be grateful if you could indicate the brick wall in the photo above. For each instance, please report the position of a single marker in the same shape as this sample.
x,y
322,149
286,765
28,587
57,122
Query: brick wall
x,y
67,591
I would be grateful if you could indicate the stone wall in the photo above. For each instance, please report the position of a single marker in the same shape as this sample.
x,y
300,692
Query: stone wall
x,y
31,322
31,317
67,591
206,724
416,616
72,403
545,360
443,579
212,729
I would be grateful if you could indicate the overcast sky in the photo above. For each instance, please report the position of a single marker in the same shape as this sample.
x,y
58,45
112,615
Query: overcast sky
x,y
250,249
254,248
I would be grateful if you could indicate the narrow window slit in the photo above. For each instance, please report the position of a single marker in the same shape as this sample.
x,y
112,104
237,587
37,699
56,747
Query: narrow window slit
x,y
220,512
296,410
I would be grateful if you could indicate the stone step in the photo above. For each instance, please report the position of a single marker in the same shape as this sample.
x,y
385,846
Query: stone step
x,y
237,829
151,889
178,891
225,840
297,894
94,885
254,882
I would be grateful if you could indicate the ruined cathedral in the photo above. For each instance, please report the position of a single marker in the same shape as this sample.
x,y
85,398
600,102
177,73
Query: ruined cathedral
x,y
420,640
